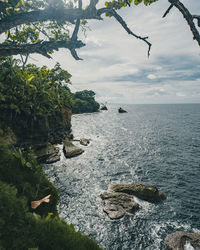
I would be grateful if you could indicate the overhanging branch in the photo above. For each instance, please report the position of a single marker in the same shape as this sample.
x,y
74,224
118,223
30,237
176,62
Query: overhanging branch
x,y
188,17
40,48
50,14
168,10
124,25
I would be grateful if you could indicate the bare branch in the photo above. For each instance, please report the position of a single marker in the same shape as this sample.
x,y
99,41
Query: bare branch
x,y
50,14
198,19
93,4
124,25
42,48
74,40
80,4
188,17
168,10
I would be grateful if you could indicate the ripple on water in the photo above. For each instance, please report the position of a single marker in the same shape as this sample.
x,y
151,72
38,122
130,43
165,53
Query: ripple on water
x,y
156,144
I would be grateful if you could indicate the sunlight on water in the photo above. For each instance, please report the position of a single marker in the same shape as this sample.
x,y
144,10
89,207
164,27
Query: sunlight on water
x,y
149,144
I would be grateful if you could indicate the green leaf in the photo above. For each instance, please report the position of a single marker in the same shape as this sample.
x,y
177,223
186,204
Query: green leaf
x,y
28,165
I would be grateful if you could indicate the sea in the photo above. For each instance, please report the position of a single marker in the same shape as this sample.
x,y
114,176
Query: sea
x,y
150,144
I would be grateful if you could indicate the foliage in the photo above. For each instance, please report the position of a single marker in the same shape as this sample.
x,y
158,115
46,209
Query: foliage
x,y
84,101
26,96
118,4
33,97
21,170
20,229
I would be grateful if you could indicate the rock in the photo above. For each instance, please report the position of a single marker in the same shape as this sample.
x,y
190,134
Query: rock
x,y
104,107
84,141
47,153
70,150
116,205
120,110
177,240
143,191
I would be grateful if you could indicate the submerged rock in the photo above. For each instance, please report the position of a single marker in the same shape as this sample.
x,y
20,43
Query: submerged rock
x,y
70,150
143,191
116,205
178,240
47,153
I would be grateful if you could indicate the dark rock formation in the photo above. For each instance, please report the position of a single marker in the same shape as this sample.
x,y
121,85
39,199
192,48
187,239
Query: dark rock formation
x,y
119,198
143,191
47,153
177,240
104,107
116,205
120,110
70,150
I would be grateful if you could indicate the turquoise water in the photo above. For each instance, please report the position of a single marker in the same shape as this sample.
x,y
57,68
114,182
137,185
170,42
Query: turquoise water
x,y
154,144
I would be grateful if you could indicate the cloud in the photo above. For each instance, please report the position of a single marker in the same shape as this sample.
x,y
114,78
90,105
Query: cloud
x,y
151,76
116,65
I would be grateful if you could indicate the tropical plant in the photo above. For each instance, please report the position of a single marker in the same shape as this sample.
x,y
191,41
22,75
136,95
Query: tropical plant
x,y
33,98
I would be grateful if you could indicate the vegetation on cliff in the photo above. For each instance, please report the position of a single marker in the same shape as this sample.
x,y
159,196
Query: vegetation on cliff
x,y
36,104
35,108
84,102
21,181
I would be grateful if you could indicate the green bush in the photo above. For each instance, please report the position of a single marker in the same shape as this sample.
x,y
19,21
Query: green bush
x,y
23,172
20,230
15,221
84,101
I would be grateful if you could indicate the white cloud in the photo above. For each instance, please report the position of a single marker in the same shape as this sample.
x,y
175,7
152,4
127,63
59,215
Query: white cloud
x,y
151,76
116,65
179,94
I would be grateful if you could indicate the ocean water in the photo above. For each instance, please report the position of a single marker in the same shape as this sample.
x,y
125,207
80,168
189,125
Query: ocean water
x,y
153,144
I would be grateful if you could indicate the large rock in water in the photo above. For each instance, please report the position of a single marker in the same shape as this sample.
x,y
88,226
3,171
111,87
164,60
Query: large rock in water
x,y
121,110
70,150
143,191
116,205
177,240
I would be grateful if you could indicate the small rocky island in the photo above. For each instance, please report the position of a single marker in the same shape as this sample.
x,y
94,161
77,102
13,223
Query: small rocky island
x,y
103,107
121,110
119,198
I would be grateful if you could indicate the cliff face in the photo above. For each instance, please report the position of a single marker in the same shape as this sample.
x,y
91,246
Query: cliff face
x,y
45,129
41,134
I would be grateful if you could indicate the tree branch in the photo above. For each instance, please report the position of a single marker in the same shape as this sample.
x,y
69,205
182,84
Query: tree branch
x,y
41,48
198,19
188,17
124,25
168,10
74,39
50,14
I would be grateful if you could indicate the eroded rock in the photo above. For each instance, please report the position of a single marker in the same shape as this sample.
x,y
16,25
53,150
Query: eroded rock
x,y
143,191
177,240
116,205
70,150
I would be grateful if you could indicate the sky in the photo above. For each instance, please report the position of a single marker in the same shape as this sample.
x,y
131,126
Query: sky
x,y
116,66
